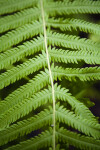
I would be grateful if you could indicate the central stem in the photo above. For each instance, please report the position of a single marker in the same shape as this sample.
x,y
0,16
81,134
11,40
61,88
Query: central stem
x,y
50,73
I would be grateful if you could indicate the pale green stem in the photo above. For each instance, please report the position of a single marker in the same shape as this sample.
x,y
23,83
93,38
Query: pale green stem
x,y
50,73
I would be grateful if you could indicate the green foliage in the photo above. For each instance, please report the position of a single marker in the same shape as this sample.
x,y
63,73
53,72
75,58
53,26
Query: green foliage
x,y
46,69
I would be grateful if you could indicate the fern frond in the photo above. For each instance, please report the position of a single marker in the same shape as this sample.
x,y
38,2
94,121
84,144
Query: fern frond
x,y
18,19
70,41
36,56
26,105
41,141
84,125
20,71
75,7
44,118
80,109
26,126
70,24
62,135
15,54
25,91
84,74
20,34
77,140
66,56
15,5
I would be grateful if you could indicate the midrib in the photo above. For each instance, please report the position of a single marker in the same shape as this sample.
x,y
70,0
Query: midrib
x,y
50,73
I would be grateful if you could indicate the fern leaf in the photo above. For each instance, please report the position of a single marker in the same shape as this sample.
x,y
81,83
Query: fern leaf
x,y
15,54
26,126
28,67
15,5
75,7
80,109
86,126
35,47
25,91
77,140
21,33
70,24
66,56
44,118
70,41
26,106
84,74
18,19
45,138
